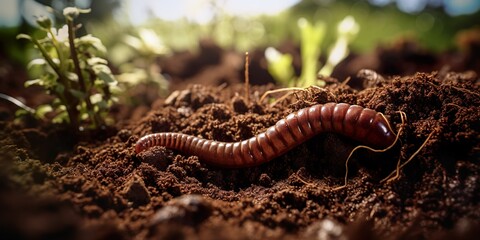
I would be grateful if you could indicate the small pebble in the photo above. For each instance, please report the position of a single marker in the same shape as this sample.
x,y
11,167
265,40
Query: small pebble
x,y
187,209
157,157
136,191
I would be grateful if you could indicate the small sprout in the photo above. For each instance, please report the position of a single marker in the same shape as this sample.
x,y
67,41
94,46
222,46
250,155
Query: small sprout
x,y
71,13
311,38
73,73
148,43
147,47
347,30
280,66
33,82
42,110
44,22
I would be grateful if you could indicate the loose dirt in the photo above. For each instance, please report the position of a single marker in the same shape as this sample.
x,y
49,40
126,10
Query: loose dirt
x,y
57,185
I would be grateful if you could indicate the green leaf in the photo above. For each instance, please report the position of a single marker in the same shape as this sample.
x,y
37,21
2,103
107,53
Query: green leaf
x,y
114,99
347,30
151,42
55,102
106,77
90,41
42,110
102,104
44,22
280,66
72,76
99,83
61,117
84,116
311,37
96,61
34,82
77,94
133,42
132,78
59,88
24,36
101,68
36,62
72,12
95,98
86,10
50,80
20,113
116,90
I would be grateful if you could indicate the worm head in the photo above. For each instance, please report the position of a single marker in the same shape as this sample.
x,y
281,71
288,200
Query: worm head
x,y
380,134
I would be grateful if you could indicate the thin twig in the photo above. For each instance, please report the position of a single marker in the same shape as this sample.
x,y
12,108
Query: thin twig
x,y
247,80
280,90
389,178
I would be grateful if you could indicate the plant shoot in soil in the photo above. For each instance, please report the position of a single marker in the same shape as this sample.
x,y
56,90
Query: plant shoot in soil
x,y
73,72
311,37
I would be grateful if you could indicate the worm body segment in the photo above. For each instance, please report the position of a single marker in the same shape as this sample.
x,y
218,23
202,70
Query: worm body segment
x,y
361,124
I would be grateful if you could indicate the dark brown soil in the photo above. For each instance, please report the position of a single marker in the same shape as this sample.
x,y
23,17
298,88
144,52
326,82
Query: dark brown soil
x,y
57,185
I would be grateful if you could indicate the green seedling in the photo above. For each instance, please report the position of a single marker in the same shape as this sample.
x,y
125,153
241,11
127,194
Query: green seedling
x,y
347,30
73,73
141,65
311,38
280,66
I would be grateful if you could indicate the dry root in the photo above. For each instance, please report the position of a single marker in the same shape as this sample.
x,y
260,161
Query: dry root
x,y
396,172
290,91
403,117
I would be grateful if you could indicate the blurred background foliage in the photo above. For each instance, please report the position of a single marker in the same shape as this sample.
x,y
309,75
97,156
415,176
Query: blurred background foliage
x,y
255,24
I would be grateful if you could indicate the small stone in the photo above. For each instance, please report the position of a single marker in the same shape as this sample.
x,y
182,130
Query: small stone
x,y
157,157
136,191
265,180
124,134
187,209
239,105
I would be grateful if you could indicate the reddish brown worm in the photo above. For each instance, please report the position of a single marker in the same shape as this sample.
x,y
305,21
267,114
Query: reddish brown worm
x,y
361,124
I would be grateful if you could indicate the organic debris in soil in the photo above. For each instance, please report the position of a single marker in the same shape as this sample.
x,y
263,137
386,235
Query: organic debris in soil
x,y
106,190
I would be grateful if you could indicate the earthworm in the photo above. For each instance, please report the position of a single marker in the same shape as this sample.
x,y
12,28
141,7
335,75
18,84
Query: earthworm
x,y
356,122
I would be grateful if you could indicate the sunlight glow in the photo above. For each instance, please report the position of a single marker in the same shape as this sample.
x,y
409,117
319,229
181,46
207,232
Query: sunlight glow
x,y
201,11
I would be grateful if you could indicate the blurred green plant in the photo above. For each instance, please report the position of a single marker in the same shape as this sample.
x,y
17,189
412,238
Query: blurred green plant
x,y
347,30
311,38
73,72
280,66
141,65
